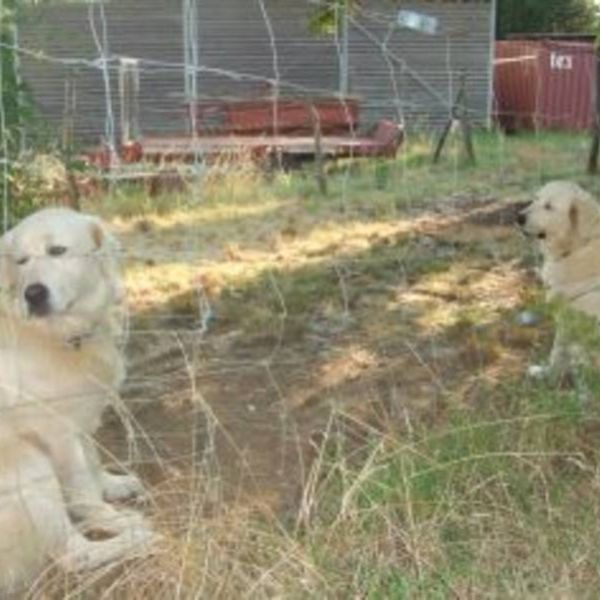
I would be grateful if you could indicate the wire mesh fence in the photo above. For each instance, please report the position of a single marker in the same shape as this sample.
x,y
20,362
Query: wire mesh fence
x,y
326,356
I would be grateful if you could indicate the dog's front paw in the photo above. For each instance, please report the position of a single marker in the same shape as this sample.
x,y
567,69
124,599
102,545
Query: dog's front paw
x,y
539,371
143,540
117,487
104,518
83,555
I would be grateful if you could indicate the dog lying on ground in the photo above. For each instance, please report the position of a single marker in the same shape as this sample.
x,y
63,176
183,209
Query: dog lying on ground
x,y
60,367
566,222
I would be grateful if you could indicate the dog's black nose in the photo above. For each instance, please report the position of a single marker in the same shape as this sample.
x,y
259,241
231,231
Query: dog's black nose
x,y
37,296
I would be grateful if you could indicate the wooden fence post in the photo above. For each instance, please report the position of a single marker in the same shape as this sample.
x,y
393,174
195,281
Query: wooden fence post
x,y
592,165
319,166
69,109
458,113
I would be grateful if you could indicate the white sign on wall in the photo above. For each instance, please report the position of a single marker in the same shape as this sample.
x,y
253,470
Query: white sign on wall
x,y
417,21
561,62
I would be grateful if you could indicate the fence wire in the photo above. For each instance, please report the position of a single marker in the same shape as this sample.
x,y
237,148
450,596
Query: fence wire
x,y
179,360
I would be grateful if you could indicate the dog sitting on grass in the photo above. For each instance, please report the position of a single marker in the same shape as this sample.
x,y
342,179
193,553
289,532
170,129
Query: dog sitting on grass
x,y
565,220
60,367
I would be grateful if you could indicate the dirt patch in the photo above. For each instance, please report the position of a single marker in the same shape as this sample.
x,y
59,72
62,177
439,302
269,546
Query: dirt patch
x,y
383,322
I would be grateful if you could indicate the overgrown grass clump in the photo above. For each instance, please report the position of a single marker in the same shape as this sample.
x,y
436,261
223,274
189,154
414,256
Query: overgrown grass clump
x,y
499,501
490,489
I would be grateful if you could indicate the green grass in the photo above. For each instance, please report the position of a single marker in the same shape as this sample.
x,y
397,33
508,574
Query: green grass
x,y
498,499
327,287
383,186
490,487
507,162
495,503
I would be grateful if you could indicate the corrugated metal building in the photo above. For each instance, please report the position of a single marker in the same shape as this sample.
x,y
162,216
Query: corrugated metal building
x,y
546,83
396,72
419,73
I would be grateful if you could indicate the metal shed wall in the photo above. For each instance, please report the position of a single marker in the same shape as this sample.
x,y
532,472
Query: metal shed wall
x,y
233,38
65,32
416,77
415,74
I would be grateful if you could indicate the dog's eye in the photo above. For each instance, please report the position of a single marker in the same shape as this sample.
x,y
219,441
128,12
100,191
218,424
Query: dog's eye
x,y
548,206
21,261
56,250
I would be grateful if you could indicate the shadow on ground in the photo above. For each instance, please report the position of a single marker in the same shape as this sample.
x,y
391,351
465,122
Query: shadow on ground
x,y
401,330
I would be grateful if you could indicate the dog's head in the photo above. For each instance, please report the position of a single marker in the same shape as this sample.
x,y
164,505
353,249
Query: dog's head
x,y
58,268
562,217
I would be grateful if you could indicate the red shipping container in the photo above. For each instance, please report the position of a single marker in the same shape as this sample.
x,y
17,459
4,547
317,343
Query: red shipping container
x,y
547,84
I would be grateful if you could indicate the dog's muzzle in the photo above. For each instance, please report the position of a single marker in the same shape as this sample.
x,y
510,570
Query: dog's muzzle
x,y
37,296
521,220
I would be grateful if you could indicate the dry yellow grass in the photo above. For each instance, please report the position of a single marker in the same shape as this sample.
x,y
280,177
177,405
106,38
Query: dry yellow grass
x,y
355,422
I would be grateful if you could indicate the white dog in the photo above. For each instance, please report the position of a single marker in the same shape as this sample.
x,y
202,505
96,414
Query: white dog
x,y
60,366
566,221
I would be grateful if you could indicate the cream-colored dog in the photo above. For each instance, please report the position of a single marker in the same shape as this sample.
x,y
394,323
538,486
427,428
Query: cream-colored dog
x,y
566,221
60,366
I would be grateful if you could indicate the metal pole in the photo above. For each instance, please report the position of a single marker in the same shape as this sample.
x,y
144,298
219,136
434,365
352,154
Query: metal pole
x,y
190,56
491,100
345,50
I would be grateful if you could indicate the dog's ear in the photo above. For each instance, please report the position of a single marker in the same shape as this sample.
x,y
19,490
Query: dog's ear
x,y
98,232
574,215
108,250
584,215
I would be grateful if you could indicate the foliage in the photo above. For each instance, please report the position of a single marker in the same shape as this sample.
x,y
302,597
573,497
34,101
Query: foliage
x,y
479,483
15,107
546,16
325,18
10,84
514,16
